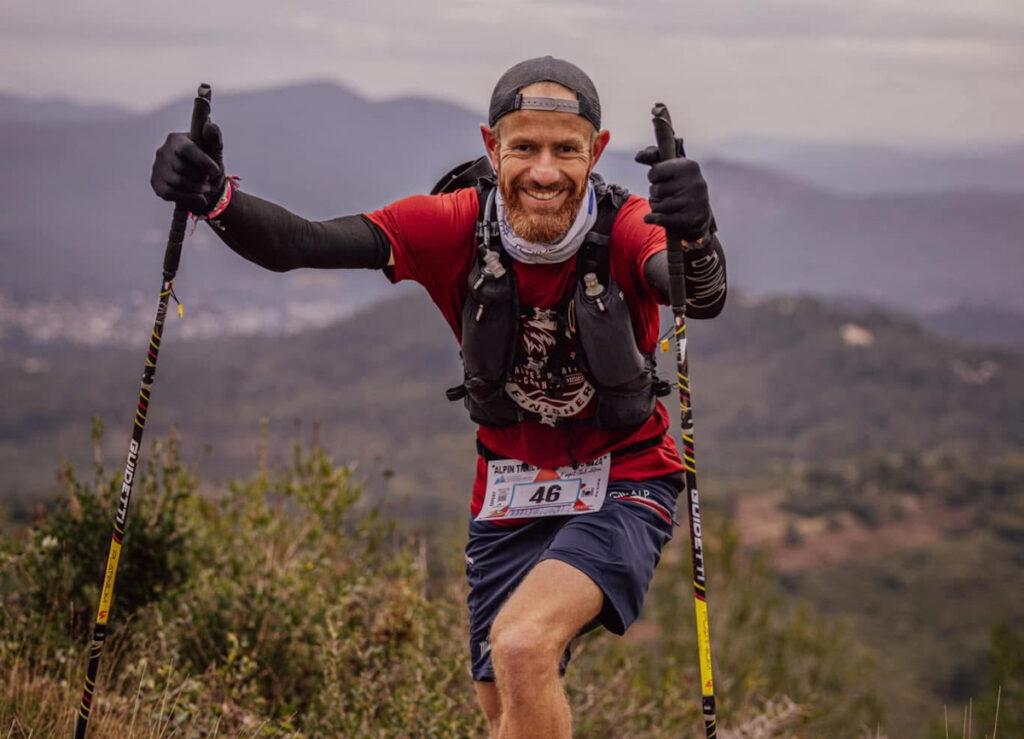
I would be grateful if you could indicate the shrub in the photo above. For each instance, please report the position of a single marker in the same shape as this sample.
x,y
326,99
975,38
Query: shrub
x,y
283,606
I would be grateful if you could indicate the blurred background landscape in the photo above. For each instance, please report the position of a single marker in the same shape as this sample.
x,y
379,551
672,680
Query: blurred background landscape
x,y
859,404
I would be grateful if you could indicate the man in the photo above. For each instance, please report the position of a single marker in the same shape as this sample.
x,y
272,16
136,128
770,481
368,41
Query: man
x,y
551,282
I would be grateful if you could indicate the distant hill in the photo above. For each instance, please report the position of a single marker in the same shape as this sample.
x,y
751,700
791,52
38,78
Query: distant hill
x,y
78,219
983,324
775,381
53,110
99,231
861,169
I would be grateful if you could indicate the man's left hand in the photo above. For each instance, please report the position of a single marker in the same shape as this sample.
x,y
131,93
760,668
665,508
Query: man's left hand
x,y
678,196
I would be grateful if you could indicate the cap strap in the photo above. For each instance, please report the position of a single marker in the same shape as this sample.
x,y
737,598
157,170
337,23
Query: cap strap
x,y
555,105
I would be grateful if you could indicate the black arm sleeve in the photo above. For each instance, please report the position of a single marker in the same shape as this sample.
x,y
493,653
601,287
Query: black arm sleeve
x,y
705,278
279,240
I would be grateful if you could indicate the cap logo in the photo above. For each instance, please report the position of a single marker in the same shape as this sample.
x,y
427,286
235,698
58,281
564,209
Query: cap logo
x,y
554,105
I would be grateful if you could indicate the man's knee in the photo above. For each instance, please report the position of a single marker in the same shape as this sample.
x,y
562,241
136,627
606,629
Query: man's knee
x,y
523,649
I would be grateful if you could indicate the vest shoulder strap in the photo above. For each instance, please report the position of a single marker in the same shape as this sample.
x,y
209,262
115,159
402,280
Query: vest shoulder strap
x,y
594,252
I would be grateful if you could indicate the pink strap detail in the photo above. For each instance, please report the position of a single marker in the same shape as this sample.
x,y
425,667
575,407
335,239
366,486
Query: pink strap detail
x,y
230,183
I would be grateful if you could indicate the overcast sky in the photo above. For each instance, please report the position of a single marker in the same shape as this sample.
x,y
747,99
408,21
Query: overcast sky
x,y
926,72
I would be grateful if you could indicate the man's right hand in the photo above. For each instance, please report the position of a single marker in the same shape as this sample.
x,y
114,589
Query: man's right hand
x,y
189,174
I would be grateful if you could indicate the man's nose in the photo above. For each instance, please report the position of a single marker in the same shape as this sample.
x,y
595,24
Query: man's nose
x,y
544,171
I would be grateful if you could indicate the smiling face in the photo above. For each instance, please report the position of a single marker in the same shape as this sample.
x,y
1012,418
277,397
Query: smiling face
x,y
543,160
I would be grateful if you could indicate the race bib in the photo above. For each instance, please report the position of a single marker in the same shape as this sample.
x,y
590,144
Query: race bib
x,y
518,490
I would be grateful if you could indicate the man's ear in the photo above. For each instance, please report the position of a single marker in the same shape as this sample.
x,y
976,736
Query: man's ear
x,y
491,144
600,143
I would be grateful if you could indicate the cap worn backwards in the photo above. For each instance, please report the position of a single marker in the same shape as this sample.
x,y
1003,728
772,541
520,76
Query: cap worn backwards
x,y
506,97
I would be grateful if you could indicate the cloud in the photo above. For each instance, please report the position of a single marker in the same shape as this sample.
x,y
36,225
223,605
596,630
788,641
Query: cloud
x,y
895,70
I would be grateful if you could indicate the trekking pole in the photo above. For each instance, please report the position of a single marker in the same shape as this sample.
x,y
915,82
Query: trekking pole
x,y
677,296
200,113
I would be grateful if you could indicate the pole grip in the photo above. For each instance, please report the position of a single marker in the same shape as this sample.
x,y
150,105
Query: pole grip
x,y
663,133
179,221
665,137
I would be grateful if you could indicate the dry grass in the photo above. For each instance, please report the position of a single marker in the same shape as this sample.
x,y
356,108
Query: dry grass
x,y
967,730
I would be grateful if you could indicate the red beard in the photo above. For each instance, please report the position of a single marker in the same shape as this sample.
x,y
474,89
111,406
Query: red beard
x,y
540,228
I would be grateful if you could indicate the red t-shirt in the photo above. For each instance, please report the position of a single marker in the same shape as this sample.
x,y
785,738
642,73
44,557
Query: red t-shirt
x,y
433,240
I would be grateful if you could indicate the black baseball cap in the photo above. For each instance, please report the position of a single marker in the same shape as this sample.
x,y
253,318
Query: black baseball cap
x,y
506,97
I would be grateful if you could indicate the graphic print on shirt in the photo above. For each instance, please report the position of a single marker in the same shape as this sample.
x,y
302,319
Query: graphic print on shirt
x,y
546,375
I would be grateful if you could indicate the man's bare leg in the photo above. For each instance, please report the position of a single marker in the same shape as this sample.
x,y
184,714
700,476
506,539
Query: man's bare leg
x,y
490,701
528,637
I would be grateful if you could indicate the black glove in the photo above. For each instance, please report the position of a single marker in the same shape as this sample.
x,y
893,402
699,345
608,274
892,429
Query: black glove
x,y
679,194
190,174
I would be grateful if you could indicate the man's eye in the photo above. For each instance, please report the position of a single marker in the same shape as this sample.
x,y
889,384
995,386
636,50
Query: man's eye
x,y
568,149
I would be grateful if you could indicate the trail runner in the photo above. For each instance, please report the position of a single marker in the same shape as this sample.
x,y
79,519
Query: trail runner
x,y
551,282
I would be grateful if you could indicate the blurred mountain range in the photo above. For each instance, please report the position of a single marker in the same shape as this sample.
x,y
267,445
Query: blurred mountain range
x,y
82,235
867,170
53,110
779,381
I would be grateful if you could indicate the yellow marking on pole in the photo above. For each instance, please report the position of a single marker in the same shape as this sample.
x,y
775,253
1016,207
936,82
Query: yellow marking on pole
x,y
84,712
704,647
107,594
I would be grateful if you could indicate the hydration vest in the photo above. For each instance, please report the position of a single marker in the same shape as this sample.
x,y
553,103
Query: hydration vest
x,y
594,312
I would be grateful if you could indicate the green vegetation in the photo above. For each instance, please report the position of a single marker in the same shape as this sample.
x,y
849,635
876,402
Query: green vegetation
x,y
287,607
945,614
767,653
218,621
283,606
774,383
870,488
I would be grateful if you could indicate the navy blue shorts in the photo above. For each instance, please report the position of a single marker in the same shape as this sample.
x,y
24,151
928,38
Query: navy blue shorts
x,y
617,547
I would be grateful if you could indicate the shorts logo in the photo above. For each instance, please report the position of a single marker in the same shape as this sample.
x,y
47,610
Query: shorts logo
x,y
643,497
636,493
